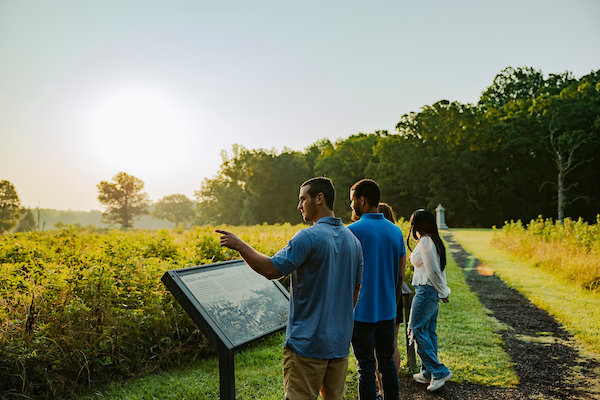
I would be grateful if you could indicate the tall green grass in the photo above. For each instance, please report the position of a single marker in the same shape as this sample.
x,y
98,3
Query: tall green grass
x,y
569,250
79,309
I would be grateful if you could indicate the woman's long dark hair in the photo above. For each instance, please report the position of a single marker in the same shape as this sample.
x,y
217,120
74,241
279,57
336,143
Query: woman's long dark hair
x,y
423,222
387,212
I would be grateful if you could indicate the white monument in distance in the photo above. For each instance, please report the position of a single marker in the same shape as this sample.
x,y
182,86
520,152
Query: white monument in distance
x,y
440,218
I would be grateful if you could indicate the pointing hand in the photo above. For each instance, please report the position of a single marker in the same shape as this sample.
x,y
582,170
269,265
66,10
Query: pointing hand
x,y
229,239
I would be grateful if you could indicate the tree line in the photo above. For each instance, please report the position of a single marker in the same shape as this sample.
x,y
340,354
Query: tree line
x,y
529,147
123,199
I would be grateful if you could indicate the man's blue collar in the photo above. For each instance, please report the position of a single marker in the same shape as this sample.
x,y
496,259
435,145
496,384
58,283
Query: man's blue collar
x,y
329,220
372,216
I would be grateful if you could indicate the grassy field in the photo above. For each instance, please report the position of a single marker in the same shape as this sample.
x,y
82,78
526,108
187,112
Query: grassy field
x,y
83,308
569,250
257,369
577,309
469,344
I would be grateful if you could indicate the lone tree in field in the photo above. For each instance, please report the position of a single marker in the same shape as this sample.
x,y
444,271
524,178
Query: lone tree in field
x,y
9,206
175,208
27,222
123,199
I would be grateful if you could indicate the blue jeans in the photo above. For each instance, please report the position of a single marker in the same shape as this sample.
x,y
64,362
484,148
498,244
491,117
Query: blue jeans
x,y
371,340
422,330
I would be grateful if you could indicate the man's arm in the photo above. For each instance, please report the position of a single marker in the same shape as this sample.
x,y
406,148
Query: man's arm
x,y
356,293
402,270
257,261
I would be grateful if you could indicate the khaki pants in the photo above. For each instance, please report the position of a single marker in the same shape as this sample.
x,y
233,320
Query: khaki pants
x,y
304,378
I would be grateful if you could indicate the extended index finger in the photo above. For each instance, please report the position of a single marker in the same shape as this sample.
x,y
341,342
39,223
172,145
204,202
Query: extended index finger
x,y
221,231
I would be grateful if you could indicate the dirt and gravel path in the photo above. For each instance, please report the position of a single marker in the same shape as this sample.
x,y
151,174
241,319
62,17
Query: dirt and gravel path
x,y
547,359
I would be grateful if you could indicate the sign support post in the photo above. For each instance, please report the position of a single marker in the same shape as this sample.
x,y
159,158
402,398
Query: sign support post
x,y
226,374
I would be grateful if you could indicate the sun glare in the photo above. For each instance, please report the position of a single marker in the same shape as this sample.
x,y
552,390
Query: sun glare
x,y
139,130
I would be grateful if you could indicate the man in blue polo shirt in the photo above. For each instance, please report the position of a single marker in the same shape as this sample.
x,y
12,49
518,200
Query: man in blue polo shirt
x,y
374,316
325,262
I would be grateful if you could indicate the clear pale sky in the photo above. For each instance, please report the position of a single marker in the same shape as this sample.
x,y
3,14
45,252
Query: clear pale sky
x,y
158,89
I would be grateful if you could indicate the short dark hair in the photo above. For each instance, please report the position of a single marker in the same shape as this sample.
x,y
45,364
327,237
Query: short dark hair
x,y
323,185
369,189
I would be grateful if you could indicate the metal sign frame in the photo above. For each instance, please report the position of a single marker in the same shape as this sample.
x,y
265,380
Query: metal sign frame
x,y
209,326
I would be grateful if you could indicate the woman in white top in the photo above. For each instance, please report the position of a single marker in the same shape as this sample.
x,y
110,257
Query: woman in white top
x,y
429,281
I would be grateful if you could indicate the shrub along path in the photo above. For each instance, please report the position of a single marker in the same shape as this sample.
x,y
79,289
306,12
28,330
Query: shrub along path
x,y
547,359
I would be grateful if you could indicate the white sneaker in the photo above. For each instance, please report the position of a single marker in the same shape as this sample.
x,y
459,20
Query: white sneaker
x,y
438,383
421,378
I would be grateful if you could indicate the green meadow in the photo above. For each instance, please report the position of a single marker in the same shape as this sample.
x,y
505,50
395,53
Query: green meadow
x,y
88,318
470,345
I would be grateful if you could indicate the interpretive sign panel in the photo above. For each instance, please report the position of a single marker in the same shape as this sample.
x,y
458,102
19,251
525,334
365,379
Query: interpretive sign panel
x,y
229,298
232,305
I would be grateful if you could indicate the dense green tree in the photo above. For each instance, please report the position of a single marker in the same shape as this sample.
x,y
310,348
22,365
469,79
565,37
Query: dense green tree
x,y
9,206
512,84
221,199
313,152
176,208
27,222
440,158
272,183
485,163
345,163
124,200
397,171
519,160
254,187
571,119
535,127
515,161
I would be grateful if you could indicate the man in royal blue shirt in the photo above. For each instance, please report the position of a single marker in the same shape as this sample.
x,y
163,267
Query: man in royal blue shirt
x,y
325,262
374,316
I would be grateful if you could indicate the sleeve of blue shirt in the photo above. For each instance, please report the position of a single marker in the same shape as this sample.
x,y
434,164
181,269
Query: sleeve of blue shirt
x,y
360,268
294,254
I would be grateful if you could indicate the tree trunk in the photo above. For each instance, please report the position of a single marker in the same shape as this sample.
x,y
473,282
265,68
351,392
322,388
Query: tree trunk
x,y
561,195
